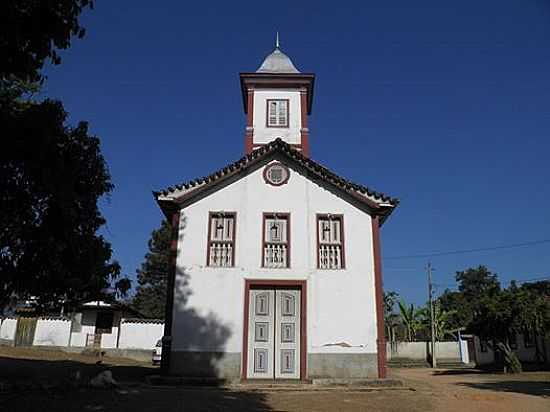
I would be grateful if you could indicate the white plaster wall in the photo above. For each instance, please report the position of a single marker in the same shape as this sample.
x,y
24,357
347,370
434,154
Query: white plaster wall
x,y
421,350
264,134
464,351
7,328
140,335
526,353
52,332
108,340
483,358
88,327
340,303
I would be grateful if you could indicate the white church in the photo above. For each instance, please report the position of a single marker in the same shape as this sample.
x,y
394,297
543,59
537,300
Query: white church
x,y
277,270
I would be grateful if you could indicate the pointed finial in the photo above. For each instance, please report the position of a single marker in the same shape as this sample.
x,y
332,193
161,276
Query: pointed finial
x,y
277,41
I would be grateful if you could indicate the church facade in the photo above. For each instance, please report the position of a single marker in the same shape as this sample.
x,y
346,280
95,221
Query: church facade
x,y
276,259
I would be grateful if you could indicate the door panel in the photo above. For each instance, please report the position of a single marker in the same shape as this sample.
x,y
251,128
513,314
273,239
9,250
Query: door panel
x,y
261,316
274,334
287,339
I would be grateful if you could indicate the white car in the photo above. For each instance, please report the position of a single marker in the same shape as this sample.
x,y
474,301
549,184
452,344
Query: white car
x,y
157,353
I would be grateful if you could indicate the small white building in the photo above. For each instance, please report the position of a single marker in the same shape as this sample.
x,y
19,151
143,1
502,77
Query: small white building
x,y
277,271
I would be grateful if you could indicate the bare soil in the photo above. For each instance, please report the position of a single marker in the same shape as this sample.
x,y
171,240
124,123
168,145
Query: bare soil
x,y
53,374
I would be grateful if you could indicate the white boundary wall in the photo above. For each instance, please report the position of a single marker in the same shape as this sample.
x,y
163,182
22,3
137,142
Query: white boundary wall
x,y
52,332
421,350
7,329
139,334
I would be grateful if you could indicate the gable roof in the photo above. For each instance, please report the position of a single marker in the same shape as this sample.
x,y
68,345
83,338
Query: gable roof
x,y
173,198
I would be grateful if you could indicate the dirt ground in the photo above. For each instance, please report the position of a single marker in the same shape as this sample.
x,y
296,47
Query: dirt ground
x,y
53,375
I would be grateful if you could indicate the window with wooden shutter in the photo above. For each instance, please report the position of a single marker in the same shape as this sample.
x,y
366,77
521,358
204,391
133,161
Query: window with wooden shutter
x,y
276,240
221,239
277,113
330,240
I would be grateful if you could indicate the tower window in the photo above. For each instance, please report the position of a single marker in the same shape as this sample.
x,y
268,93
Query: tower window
x,y
277,113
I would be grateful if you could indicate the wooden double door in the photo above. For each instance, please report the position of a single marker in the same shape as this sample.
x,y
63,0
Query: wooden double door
x,y
274,333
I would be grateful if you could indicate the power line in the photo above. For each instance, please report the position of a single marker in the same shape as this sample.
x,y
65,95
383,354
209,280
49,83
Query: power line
x,y
463,251
505,282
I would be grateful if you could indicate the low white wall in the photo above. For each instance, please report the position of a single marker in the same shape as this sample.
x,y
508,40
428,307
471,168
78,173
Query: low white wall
x,y
421,350
52,332
140,334
524,353
7,329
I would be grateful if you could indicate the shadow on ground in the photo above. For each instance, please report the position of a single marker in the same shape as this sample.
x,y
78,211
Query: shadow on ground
x,y
49,385
525,387
452,372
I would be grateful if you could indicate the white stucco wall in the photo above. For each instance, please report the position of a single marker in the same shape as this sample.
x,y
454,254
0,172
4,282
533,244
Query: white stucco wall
x,y
52,332
139,335
264,134
7,328
88,318
421,350
340,303
524,353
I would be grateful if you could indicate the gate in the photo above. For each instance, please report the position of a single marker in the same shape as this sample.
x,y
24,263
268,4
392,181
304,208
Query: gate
x,y
24,333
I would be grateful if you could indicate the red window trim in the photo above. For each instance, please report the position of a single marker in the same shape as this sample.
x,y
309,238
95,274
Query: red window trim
x,y
287,113
283,215
335,216
209,241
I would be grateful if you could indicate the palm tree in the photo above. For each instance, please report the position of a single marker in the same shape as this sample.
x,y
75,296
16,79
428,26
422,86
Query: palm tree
x,y
411,318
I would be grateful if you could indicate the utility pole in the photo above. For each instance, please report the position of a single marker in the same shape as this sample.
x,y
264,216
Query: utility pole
x,y
432,321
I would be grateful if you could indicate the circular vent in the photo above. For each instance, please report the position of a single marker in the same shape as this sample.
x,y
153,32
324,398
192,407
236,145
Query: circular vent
x,y
276,174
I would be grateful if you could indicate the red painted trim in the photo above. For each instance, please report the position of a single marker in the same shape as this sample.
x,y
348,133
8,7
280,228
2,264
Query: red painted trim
x,y
276,284
304,131
249,132
169,308
266,168
379,297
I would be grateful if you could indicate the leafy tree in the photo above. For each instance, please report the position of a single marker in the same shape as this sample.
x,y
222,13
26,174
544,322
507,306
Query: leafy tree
x,y
150,298
411,318
52,178
495,314
442,321
32,30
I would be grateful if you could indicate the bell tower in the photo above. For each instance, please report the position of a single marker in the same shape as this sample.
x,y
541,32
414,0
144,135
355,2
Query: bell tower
x,y
277,101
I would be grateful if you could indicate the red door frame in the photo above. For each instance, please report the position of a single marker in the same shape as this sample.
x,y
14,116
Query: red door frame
x,y
276,284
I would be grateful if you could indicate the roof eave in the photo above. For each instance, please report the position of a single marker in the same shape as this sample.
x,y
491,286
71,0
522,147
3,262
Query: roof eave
x,y
278,80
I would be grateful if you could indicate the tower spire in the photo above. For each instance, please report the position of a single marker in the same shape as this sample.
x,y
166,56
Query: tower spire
x,y
277,41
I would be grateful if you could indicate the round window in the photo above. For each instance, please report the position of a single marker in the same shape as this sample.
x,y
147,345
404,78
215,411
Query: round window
x,y
276,174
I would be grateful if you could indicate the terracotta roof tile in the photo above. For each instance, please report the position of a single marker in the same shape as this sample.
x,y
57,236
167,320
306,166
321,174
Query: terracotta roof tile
x,y
278,145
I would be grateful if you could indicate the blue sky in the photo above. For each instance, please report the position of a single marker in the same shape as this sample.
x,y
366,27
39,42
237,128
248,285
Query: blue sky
x,y
445,105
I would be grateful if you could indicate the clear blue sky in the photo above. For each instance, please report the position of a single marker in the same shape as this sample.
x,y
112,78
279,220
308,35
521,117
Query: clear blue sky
x,y
445,105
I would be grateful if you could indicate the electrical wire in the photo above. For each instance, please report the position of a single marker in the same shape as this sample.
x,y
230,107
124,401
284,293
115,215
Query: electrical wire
x,y
463,251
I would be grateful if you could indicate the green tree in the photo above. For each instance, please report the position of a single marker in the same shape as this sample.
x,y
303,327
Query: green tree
x,y
411,318
32,30
150,297
52,178
52,174
496,315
